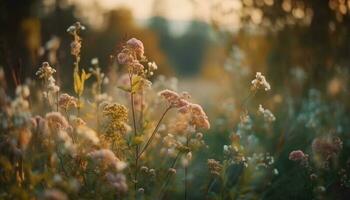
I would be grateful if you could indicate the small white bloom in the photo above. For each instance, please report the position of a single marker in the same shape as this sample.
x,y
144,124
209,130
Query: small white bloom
x,y
260,81
94,61
268,116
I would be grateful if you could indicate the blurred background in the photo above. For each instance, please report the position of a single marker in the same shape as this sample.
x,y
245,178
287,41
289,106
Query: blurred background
x,y
214,48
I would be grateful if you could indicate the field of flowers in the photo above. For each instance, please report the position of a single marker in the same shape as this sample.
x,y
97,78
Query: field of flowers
x,y
132,133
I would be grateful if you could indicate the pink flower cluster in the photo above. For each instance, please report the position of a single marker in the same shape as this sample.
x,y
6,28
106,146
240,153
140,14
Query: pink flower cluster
x,y
327,147
298,155
174,99
198,116
131,55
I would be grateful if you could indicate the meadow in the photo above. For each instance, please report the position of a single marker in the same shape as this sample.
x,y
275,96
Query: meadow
x,y
123,130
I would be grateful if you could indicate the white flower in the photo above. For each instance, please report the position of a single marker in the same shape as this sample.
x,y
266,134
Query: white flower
x,y
22,91
107,157
152,66
260,81
268,116
87,133
94,61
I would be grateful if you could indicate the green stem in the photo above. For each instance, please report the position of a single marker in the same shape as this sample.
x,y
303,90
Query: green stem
x,y
135,135
167,178
154,132
186,168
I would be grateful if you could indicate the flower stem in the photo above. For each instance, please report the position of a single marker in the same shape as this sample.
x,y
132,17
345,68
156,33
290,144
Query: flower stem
x,y
186,168
167,178
154,132
135,135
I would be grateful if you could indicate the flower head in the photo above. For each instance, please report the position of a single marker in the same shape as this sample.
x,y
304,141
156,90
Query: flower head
x,y
268,116
136,46
298,155
66,101
199,117
260,82
326,147
173,98
106,157
45,71
214,166
73,29
56,121
118,181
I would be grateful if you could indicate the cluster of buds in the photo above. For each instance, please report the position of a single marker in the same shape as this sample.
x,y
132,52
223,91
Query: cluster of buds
x,y
45,72
76,43
131,55
100,77
327,146
234,154
107,158
260,82
117,117
268,116
66,102
299,156
262,160
214,167
118,181
198,117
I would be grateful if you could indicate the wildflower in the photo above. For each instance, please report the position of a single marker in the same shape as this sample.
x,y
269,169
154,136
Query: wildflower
x,y
199,117
45,71
20,104
260,82
298,155
313,176
106,157
118,181
56,121
137,46
22,91
40,125
94,61
172,170
187,159
62,137
327,146
152,172
76,43
75,47
214,167
199,136
88,134
54,194
140,84
76,121
116,111
173,98
131,55
66,101
51,85
268,116
144,169
124,58
75,27
141,190
53,44
152,66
